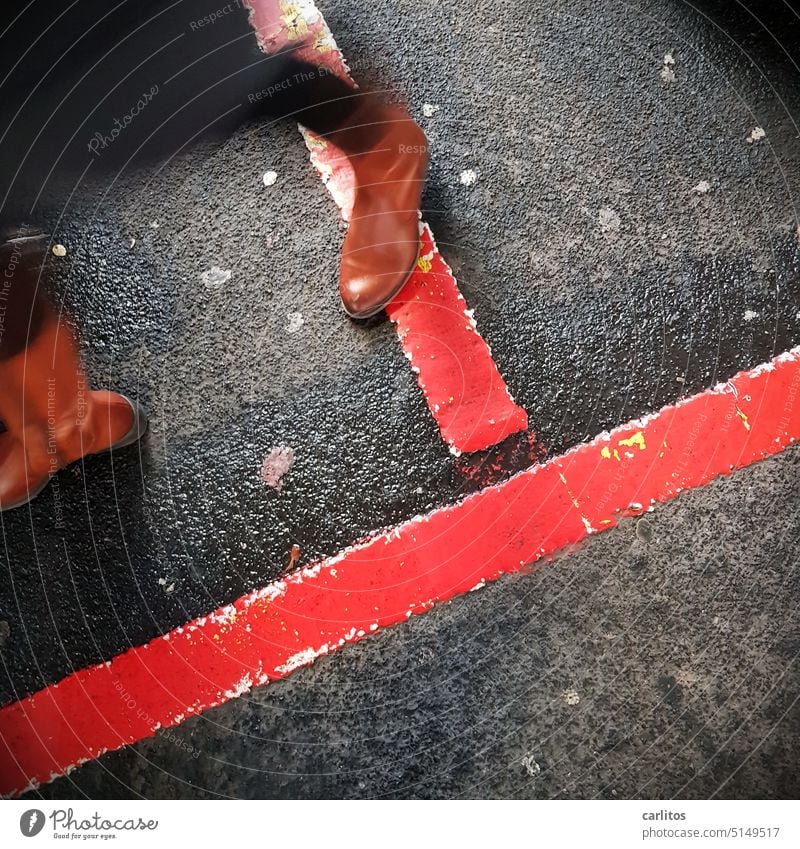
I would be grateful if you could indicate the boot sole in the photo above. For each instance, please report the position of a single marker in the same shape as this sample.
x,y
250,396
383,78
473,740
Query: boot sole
x,y
28,498
137,431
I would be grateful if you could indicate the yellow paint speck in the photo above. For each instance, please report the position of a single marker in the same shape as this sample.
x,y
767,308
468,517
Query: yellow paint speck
x,y
744,419
637,440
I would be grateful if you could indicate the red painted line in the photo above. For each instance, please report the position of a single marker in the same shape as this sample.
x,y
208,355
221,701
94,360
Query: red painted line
x,y
465,392
264,636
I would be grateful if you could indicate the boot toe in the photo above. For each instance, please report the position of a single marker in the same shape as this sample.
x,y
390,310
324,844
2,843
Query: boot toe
x,y
138,428
367,285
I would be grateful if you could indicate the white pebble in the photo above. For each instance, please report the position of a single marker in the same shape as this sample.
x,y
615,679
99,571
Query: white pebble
x,y
749,315
668,68
531,765
275,465
59,250
756,134
215,277
429,109
468,177
702,188
269,178
608,220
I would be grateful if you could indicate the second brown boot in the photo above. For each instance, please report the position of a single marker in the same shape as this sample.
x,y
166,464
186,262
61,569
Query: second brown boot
x,y
51,417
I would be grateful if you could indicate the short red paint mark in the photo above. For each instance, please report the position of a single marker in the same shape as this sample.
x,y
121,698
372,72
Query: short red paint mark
x,y
466,394
266,635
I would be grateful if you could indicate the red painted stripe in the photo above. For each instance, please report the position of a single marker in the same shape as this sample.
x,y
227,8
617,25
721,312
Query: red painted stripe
x,y
466,395
264,636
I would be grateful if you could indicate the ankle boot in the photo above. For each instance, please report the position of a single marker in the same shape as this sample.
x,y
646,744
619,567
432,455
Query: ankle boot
x,y
389,155
50,415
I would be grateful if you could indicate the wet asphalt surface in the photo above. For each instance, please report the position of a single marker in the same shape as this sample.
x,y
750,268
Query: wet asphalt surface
x,y
607,285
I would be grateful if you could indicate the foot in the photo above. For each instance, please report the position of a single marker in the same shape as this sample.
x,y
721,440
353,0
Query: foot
x,y
382,242
109,421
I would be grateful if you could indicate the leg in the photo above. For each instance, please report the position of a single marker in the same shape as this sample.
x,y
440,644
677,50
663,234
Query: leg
x,y
170,80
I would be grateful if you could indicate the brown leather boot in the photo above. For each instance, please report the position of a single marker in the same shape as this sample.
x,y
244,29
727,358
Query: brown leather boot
x,y
51,417
389,155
